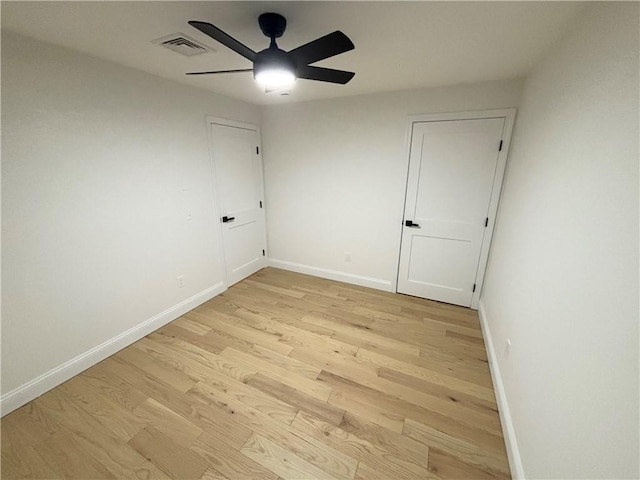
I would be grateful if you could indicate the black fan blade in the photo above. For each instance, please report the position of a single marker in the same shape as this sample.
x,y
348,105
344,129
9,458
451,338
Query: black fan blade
x,y
221,71
225,39
333,44
324,74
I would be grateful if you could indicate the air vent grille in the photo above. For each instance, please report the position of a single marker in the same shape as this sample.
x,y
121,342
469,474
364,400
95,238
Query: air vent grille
x,y
181,43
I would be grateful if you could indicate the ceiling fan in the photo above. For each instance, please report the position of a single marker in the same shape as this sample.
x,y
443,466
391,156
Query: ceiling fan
x,y
274,68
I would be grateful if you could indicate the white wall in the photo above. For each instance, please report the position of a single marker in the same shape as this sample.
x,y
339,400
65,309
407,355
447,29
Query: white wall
x,y
100,166
335,174
562,282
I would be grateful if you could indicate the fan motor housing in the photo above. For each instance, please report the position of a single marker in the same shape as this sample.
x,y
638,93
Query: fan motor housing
x,y
273,58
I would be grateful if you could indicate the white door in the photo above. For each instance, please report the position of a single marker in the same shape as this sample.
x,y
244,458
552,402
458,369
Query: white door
x,y
453,167
237,174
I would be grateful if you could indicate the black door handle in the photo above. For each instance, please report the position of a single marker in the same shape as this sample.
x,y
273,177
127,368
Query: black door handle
x,y
226,219
409,223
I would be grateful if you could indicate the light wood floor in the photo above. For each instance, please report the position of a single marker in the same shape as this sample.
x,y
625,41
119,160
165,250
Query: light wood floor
x,y
282,376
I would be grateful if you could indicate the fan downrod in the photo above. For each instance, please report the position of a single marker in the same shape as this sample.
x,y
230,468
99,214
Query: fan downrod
x,y
272,25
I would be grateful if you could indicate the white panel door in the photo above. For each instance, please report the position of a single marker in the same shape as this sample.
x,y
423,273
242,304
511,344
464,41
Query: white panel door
x,y
238,179
452,170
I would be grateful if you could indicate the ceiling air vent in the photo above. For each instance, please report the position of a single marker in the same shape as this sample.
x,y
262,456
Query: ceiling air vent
x,y
181,43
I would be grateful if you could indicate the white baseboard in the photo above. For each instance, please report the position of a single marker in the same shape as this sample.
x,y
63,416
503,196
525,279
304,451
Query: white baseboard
x,y
513,452
45,382
336,275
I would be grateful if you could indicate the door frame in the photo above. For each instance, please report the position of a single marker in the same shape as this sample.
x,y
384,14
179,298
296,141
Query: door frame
x,y
210,121
509,115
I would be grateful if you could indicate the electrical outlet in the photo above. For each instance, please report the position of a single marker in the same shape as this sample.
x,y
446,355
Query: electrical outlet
x,y
347,257
189,216
180,281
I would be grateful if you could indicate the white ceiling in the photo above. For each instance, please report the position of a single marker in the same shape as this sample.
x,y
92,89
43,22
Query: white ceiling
x,y
399,45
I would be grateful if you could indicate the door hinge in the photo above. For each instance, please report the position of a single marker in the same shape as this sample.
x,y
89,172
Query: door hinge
x,y
486,222
474,287
263,252
500,147
257,150
260,203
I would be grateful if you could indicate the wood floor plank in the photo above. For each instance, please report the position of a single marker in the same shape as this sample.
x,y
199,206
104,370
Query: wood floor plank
x,y
399,445
281,376
282,291
166,421
211,474
71,417
298,399
385,418
203,341
191,326
467,338
387,463
119,458
93,438
365,383
306,447
257,365
173,459
209,419
425,307
340,316
117,372
275,409
178,379
214,340
286,362
121,393
63,454
428,375
410,325
300,337
271,314
280,460
199,413
449,317
115,418
485,457
444,393
252,335
274,305
299,333
470,370
365,472
374,345
193,361
416,324
424,338
24,462
228,461
346,365
472,330
363,333
19,458
448,466
392,403
29,424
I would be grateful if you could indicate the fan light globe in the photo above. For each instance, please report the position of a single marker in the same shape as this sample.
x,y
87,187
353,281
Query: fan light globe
x,y
275,77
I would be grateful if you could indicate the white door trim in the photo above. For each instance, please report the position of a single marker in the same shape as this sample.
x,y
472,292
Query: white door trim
x,y
210,121
509,115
